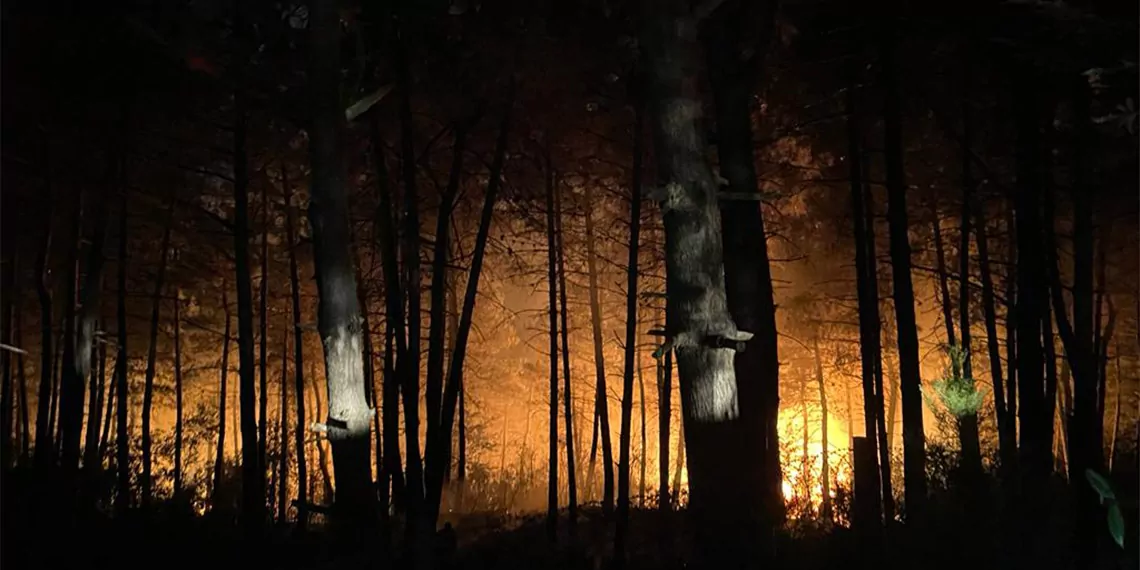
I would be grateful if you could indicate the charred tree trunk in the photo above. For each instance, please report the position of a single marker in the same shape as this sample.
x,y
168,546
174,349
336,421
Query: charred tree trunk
x,y
885,441
122,389
701,330
746,28
105,439
252,473
283,433
968,425
177,396
825,472
438,319
10,281
439,456
81,344
396,343
1006,442
601,399
664,413
571,457
910,377
43,405
263,329
220,449
641,414
620,536
291,222
21,383
339,323
867,289
92,461
552,299
152,356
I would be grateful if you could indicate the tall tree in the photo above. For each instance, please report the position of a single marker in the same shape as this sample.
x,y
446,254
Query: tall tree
x,y
567,398
152,357
44,292
283,434
825,473
601,398
910,374
122,389
552,299
10,280
967,425
220,447
622,531
339,320
701,330
867,289
263,336
178,395
737,39
291,222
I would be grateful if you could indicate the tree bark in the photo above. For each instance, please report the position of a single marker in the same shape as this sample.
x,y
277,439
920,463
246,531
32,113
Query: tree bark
x,y
641,414
152,356
220,449
571,457
10,280
291,222
339,322
910,377
92,461
601,399
68,399
701,330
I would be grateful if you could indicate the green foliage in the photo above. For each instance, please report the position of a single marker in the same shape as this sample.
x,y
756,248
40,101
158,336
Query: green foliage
x,y
956,393
1107,496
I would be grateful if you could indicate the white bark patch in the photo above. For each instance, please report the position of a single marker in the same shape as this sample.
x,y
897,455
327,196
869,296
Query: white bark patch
x,y
345,378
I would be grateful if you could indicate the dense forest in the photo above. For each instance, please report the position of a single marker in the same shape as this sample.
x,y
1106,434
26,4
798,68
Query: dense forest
x,y
581,284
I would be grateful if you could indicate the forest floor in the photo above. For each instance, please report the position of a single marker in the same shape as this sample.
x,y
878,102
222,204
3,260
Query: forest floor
x,y
36,534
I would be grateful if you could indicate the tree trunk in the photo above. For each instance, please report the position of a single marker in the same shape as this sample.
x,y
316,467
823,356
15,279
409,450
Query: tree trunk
x,y
867,288
263,330
394,317
968,425
177,395
551,257
43,402
439,456
1011,293
825,474
92,461
664,411
339,322
10,281
291,222
151,357
122,388
105,439
701,330
571,457
283,432
438,319
910,376
21,382
747,273
1006,442
410,376
943,283
601,398
681,465
220,449
620,536
884,444
253,474
641,405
